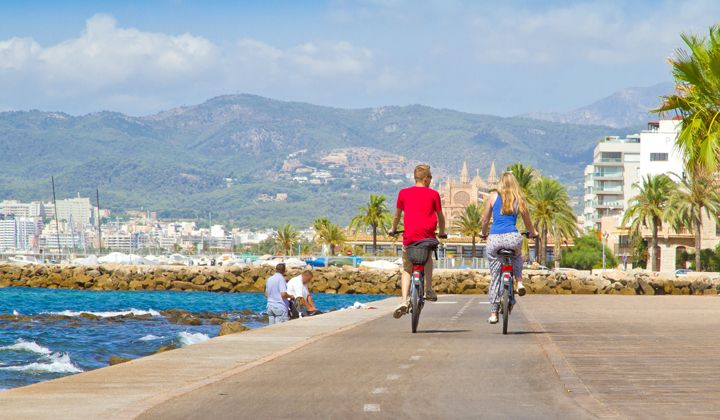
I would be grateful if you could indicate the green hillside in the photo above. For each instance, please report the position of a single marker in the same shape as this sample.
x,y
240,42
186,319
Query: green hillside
x,y
176,161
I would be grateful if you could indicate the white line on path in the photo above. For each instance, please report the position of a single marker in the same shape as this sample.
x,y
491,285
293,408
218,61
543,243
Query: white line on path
x,y
404,367
414,357
379,390
483,303
371,408
444,303
393,377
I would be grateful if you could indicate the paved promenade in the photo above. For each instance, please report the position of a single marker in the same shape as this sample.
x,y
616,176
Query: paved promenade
x,y
567,357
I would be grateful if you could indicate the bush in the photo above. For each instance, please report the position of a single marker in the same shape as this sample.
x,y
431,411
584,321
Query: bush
x,y
587,254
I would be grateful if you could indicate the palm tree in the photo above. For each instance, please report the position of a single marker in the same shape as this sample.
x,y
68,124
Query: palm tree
x,y
562,229
648,208
286,238
697,100
333,236
469,223
551,212
697,192
374,215
524,175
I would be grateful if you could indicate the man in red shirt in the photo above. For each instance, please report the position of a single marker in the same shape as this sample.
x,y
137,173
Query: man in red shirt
x,y
423,214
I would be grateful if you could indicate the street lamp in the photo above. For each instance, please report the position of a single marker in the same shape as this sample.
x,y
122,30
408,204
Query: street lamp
x,y
604,241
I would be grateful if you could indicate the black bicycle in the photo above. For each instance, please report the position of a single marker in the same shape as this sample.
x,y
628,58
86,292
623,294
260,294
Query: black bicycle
x,y
506,290
418,254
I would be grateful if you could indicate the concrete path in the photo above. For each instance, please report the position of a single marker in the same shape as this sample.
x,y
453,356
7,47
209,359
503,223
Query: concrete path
x,y
457,367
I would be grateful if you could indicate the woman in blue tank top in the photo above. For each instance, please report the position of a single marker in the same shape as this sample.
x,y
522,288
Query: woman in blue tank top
x,y
504,206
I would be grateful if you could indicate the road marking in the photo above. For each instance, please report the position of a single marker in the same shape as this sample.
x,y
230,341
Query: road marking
x,y
420,349
371,408
414,357
393,377
379,391
483,303
404,366
444,303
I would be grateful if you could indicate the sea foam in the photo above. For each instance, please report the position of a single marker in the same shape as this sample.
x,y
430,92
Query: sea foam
x,y
107,314
29,346
57,363
187,338
150,337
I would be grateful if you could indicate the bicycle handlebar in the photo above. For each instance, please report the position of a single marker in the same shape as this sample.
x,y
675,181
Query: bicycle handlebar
x,y
397,232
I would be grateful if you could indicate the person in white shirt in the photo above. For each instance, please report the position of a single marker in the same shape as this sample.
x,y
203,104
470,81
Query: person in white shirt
x,y
298,287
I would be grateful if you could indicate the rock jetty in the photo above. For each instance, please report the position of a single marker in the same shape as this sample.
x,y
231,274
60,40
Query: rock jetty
x,y
344,280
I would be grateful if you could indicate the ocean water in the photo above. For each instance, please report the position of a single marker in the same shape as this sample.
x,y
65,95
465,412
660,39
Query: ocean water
x,y
49,338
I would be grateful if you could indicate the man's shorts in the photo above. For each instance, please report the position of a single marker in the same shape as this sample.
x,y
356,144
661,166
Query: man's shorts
x,y
407,265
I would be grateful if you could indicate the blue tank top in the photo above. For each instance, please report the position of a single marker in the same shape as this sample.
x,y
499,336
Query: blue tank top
x,y
502,223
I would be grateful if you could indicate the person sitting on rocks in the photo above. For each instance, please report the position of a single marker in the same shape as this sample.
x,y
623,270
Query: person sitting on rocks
x,y
298,287
277,296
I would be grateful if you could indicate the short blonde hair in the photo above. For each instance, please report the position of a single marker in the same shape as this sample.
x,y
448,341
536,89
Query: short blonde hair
x,y
422,172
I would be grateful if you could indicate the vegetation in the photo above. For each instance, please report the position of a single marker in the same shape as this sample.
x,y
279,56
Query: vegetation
x,y
551,214
587,254
286,238
697,193
176,162
697,100
328,233
374,215
709,259
469,224
525,175
648,209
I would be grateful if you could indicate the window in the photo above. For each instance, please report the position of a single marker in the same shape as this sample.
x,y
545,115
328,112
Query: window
x,y
658,157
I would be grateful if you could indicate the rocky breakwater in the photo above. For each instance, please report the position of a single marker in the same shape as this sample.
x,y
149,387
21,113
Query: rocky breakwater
x,y
345,280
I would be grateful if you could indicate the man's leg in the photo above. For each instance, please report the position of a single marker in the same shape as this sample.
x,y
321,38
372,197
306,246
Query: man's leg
x,y
404,286
429,291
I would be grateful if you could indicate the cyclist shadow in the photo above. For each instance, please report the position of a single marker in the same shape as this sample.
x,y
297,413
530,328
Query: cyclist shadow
x,y
527,332
441,331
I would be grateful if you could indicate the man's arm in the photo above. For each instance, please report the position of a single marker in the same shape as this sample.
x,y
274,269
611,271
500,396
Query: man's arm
x,y
396,220
310,304
441,223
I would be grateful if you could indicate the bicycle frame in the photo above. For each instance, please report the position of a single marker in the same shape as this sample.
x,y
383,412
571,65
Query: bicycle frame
x,y
417,294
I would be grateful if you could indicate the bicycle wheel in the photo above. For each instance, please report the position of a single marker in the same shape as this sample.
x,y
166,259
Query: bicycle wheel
x,y
415,303
505,303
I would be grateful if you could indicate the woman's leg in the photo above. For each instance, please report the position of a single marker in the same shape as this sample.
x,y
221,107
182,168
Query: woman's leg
x,y
494,266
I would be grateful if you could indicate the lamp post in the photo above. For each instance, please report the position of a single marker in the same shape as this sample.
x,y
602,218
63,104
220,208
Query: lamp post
x,y
604,241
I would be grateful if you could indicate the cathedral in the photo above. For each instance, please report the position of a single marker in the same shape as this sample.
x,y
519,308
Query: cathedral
x,y
457,194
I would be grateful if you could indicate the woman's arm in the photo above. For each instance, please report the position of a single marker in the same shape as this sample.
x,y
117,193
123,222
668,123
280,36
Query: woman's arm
x,y
487,213
528,222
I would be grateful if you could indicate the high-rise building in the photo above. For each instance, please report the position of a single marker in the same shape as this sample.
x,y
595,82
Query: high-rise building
x,y
610,179
658,154
34,209
78,210
19,233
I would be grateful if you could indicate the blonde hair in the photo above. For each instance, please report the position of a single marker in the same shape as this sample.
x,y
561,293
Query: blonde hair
x,y
512,197
421,172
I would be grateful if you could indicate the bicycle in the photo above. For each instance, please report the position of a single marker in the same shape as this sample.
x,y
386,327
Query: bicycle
x,y
418,254
506,290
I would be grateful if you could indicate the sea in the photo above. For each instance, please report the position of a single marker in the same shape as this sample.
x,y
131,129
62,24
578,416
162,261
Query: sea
x,y
49,333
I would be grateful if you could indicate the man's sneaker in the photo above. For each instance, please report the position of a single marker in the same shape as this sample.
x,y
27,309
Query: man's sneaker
x,y
431,295
400,310
521,289
493,319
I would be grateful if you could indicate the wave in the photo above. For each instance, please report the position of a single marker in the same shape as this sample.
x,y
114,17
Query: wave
x,y
187,338
150,337
107,314
29,346
57,363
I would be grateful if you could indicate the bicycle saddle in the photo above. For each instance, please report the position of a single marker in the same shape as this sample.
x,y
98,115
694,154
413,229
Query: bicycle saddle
x,y
506,252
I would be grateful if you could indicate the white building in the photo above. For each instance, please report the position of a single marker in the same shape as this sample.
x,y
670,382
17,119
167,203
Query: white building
x,y
21,233
658,154
609,180
78,210
217,231
15,208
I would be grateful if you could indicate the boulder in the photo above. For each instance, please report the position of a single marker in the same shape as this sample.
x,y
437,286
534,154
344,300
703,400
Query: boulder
x,y
116,360
232,328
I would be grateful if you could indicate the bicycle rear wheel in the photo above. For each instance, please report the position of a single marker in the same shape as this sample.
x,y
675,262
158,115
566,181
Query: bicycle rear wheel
x,y
505,303
415,304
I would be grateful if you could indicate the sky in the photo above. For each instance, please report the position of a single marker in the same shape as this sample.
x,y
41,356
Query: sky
x,y
493,57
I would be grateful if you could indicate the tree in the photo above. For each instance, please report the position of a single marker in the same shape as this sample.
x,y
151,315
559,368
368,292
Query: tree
x,y
587,254
524,175
697,193
697,100
374,215
334,236
469,223
648,208
286,238
551,213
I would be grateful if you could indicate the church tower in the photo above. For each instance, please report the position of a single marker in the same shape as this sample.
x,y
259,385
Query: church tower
x,y
464,177
492,179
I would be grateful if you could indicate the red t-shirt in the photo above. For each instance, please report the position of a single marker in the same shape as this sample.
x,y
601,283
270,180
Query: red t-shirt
x,y
420,205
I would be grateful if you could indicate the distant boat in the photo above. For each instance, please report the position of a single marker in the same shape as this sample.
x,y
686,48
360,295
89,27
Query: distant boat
x,y
24,259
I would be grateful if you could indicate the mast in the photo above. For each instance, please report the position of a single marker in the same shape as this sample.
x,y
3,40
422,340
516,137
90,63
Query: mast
x,y
57,224
97,201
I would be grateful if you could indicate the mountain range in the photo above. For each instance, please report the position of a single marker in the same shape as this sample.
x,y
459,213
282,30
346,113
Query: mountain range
x,y
219,156
626,108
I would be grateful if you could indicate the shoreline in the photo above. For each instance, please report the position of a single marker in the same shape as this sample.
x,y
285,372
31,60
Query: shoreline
x,y
343,280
